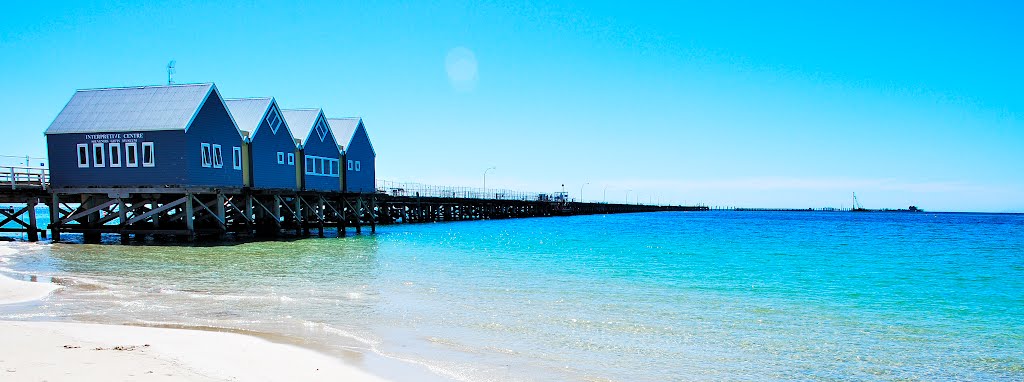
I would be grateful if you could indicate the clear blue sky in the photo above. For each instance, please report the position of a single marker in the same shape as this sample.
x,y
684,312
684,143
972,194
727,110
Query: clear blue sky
x,y
795,104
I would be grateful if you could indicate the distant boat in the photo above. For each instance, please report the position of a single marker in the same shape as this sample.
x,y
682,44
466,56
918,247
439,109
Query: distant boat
x,y
857,207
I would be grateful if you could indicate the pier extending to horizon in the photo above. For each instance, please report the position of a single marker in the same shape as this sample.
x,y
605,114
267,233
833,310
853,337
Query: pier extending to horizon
x,y
205,212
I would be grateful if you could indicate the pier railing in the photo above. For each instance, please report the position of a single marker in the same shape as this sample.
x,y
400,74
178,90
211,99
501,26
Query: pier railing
x,y
21,177
432,191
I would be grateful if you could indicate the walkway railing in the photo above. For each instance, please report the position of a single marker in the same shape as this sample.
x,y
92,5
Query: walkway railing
x,y
20,177
431,191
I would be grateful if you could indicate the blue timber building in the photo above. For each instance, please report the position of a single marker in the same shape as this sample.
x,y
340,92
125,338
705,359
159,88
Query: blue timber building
x,y
360,158
151,136
321,154
271,153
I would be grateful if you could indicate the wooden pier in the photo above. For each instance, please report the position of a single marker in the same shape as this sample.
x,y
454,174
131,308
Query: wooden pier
x,y
24,188
187,214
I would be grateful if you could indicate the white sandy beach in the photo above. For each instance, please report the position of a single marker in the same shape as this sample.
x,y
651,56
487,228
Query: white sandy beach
x,y
59,351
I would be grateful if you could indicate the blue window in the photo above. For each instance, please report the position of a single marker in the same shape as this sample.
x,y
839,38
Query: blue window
x,y
236,158
207,155
273,120
83,155
131,151
218,157
148,155
115,155
321,130
98,155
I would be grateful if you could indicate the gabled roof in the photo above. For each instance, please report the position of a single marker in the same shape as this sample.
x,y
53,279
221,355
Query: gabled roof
x,y
248,112
345,130
146,108
303,122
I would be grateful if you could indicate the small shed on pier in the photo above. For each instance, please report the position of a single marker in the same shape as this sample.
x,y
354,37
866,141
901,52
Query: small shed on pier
x,y
321,155
270,153
360,158
148,136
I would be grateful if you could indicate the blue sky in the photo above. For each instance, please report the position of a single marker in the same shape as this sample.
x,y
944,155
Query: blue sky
x,y
746,104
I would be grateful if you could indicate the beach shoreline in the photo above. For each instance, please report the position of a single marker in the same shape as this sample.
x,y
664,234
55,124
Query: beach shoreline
x,y
66,351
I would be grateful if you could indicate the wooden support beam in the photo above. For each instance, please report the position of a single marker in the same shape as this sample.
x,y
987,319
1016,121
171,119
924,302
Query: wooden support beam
x,y
33,230
250,217
342,218
359,215
89,211
216,215
373,214
55,211
189,214
157,210
13,217
221,213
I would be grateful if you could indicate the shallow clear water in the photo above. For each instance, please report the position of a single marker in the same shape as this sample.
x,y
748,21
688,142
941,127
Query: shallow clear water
x,y
635,297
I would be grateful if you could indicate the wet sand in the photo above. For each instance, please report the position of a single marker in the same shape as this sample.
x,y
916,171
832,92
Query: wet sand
x,y
61,351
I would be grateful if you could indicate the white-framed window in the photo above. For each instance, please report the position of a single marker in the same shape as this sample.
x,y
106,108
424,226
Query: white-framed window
x,y
358,167
131,154
350,165
321,129
115,154
207,155
83,155
322,166
236,158
273,120
218,156
98,155
291,159
280,157
148,155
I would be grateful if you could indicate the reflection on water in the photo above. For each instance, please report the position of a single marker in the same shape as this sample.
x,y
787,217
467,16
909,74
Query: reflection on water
x,y
640,297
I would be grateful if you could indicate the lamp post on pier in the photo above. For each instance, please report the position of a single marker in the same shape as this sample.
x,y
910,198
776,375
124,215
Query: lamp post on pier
x,y
581,191
604,197
485,180
627,195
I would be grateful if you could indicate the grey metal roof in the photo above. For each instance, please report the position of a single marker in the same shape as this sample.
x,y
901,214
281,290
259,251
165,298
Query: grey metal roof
x,y
248,112
147,108
301,121
344,129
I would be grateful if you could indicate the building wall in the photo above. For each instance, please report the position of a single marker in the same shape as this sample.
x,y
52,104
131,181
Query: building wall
x,y
212,125
363,180
168,166
327,149
267,172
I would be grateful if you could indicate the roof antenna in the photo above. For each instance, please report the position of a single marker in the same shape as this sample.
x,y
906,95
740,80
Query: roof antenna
x,y
170,72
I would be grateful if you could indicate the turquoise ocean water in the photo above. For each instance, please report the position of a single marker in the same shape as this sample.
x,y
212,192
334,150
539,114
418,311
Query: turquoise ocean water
x,y
634,297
